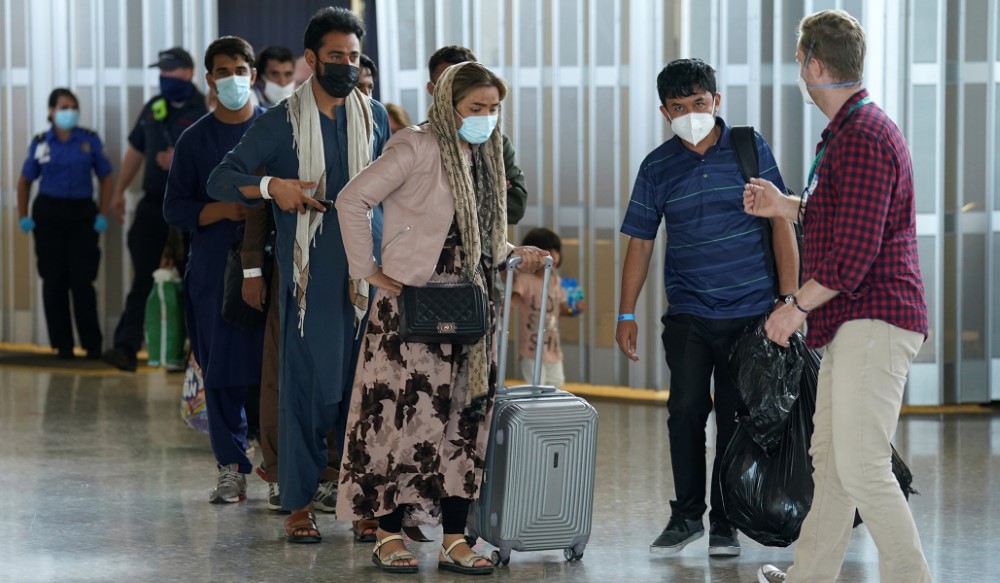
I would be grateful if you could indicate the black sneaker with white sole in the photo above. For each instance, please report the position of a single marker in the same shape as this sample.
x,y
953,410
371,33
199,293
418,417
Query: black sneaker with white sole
x,y
722,540
678,534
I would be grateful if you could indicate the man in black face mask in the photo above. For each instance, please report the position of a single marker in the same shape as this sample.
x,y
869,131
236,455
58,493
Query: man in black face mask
x,y
309,146
151,146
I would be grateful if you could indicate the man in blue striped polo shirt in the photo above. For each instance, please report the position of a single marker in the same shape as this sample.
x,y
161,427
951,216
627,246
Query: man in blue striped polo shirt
x,y
716,280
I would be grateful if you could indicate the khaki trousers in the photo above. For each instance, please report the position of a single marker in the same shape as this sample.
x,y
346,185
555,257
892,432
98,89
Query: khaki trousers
x,y
858,398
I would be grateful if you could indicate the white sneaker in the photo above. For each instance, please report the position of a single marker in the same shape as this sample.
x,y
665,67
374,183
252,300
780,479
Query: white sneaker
x,y
273,496
232,486
770,574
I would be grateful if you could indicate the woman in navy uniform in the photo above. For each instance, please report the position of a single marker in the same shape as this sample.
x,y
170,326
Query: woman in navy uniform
x,y
66,221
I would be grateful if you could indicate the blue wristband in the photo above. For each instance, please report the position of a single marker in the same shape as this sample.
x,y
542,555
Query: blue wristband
x,y
626,317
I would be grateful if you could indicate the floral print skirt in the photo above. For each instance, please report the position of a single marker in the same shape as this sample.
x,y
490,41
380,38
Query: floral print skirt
x,y
410,439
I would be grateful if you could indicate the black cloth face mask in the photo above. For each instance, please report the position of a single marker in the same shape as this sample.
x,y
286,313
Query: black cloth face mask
x,y
338,80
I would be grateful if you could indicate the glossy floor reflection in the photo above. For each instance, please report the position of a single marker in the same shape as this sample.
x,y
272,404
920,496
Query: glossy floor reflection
x,y
101,481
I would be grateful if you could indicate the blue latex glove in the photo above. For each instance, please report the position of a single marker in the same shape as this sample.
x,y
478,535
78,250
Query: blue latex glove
x,y
27,224
100,224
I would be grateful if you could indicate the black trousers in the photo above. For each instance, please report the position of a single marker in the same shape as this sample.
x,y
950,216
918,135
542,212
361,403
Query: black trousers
x,y
697,350
454,515
146,239
68,257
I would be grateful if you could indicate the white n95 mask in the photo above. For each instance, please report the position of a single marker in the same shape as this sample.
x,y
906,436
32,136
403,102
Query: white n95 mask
x,y
693,127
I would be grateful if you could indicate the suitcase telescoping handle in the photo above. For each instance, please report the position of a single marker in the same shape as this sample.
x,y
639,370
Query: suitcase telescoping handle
x,y
504,329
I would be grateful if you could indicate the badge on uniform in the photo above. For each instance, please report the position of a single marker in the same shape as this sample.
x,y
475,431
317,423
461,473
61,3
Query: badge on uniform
x,y
85,147
42,152
811,188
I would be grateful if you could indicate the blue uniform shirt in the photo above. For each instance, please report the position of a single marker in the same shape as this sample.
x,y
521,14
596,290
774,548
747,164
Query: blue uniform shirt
x,y
715,264
65,167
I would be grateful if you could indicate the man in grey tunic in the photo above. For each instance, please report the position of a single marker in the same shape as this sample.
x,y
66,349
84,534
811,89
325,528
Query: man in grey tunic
x,y
319,343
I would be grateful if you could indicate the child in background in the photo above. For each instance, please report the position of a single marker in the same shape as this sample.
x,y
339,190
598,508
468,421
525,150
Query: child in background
x,y
526,295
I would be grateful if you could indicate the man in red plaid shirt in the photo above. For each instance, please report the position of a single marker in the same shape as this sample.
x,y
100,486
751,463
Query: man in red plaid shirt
x,y
864,300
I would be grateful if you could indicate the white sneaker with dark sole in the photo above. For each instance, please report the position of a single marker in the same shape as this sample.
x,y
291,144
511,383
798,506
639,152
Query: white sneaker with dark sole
x,y
325,499
273,497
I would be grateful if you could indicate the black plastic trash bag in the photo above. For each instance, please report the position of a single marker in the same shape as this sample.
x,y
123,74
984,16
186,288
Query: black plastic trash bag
x,y
767,495
767,378
903,475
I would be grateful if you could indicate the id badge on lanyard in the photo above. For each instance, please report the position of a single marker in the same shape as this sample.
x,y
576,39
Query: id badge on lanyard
x,y
813,180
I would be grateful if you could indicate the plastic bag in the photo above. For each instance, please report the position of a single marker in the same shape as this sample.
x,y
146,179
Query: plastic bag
x,y
193,410
767,495
767,379
903,475
165,330
768,492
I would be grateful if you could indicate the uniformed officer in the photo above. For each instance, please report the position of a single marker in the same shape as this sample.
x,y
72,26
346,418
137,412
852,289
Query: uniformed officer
x,y
151,146
66,222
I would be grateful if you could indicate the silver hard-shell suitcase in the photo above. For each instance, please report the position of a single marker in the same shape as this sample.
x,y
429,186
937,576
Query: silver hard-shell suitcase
x,y
538,484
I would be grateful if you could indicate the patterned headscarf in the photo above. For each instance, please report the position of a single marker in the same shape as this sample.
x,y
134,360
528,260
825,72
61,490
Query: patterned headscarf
x,y
480,207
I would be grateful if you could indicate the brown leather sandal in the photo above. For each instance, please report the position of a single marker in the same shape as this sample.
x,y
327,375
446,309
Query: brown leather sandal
x,y
299,521
364,530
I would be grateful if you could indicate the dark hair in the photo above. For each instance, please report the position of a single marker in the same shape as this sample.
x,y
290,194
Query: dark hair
x,y
368,63
61,92
230,46
544,239
273,53
452,54
328,20
684,78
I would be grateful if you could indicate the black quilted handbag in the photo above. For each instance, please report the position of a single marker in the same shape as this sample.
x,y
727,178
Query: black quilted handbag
x,y
443,313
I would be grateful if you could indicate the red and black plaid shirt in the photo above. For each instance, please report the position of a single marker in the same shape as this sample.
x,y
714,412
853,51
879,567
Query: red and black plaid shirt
x,y
860,229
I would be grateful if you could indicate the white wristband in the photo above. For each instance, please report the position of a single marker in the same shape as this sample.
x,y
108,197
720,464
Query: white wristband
x,y
254,272
263,188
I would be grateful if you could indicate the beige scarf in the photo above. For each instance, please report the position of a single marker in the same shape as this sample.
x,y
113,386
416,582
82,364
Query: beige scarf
x,y
307,136
477,239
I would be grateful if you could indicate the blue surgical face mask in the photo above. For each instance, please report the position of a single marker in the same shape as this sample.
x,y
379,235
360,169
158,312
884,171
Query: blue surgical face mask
x,y
174,89
66,119
805,87
476,129
233,91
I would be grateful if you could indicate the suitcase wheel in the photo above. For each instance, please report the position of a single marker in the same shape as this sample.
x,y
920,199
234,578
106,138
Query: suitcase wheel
x,y
571,554
500,558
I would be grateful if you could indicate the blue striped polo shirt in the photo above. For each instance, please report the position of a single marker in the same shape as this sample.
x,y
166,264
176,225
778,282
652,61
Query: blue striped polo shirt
x,y
714,265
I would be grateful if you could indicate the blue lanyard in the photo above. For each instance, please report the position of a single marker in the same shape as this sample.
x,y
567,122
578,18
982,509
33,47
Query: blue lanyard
x,y
819,156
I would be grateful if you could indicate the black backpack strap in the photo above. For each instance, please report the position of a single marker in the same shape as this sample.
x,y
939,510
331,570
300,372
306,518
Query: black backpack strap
x,y
744,140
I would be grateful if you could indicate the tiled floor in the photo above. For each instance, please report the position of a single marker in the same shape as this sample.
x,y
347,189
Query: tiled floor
x,y
101,481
